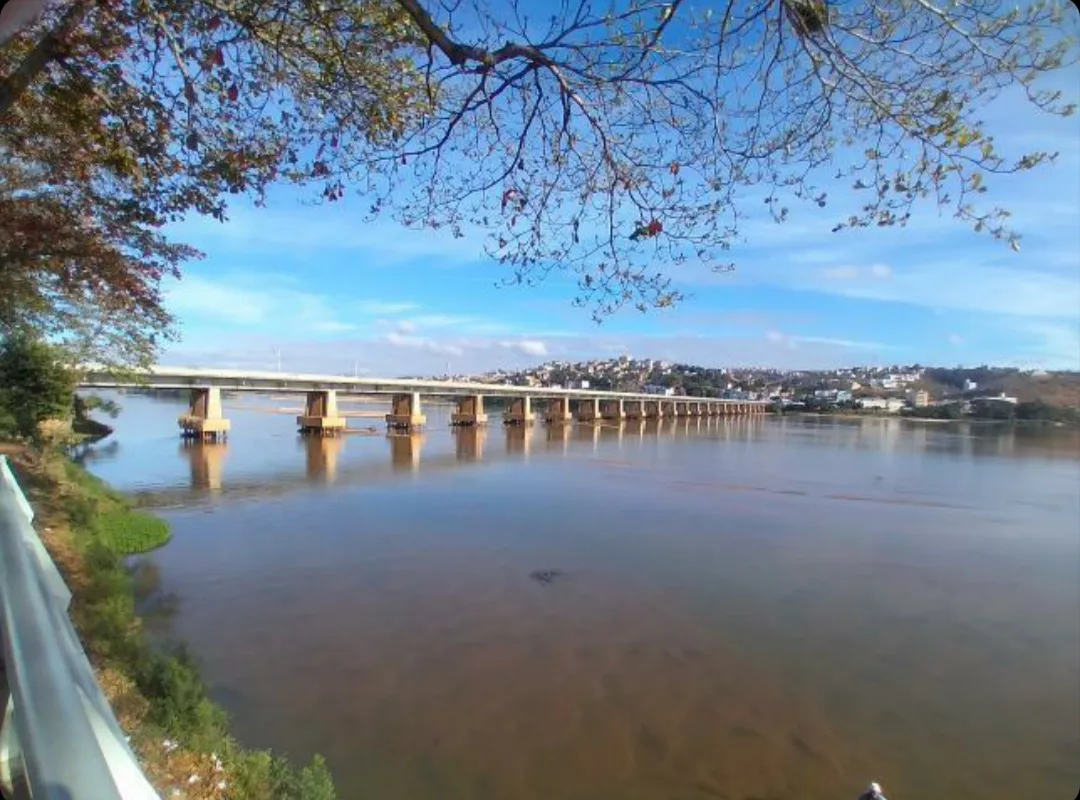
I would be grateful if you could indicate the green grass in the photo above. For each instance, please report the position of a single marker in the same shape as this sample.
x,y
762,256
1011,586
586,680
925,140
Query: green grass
x,y
129,532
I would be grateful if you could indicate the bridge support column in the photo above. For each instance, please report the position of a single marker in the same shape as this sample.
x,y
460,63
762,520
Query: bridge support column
x,y
634,409
204,420
320,417
667,408
693,408
680,408
588,410
613,410
654,409
558,411
519,412
470,411
405,412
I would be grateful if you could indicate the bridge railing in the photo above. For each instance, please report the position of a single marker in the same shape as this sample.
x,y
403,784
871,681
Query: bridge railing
x,y
59,739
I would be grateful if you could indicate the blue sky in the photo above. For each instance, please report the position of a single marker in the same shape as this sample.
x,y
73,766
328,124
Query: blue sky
x,y
333,293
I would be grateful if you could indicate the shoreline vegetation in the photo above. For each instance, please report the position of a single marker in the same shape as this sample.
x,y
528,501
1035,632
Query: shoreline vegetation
x,y
179,735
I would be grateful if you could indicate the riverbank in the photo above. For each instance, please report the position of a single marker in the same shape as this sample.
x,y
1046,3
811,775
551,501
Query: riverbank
x,y
179,735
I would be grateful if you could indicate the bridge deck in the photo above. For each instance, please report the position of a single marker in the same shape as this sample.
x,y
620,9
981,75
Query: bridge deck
x,y
160,377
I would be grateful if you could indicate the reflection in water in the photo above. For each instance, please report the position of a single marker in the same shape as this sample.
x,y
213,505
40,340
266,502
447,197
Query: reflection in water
x,y
469,442
557,437
740,601
587,432
405,451
207,463
519,440
322,454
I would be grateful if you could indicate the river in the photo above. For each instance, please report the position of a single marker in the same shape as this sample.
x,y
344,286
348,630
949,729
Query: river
x,y
751,609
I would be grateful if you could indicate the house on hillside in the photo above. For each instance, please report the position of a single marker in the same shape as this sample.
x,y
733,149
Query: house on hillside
x,y
890,405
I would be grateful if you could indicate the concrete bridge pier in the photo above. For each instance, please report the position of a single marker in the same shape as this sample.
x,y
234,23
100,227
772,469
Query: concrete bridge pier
x,y
320,417
693,408
204,420
405,412
470,411
634,409
558,411
519,412
680,408
612,410
667,408
588,410
654,409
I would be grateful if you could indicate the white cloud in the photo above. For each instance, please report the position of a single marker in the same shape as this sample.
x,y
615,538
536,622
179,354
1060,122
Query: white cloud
x,y
422,343
195,296
955,339
529,347
793,340
881,270
840,273
385,307
333,326
289,226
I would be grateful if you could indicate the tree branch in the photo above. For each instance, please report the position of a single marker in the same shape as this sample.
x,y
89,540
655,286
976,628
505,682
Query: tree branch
x,y
44,52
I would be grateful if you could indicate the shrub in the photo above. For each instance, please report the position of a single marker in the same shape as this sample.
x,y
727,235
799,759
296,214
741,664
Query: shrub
x,y
35,385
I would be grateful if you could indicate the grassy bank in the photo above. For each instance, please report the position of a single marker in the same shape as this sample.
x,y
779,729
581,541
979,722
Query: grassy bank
x,y
180,736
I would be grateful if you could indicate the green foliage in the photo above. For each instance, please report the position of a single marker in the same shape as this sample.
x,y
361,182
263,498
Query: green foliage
x,y
129,532
35,385
261,774
944,411
1045,412
178,700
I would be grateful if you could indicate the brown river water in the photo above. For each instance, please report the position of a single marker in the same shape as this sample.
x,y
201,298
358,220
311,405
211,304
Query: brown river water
x,y
766,609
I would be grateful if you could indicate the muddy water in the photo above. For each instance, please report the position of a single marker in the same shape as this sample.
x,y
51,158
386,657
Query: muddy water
x,y
728,609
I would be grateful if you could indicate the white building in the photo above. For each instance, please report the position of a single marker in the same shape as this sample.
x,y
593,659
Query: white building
x,y
890,405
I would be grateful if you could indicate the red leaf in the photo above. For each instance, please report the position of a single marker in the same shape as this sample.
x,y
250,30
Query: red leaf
x,y
233,93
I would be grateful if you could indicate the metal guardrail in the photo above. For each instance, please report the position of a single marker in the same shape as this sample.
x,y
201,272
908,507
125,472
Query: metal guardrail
x,y
59,739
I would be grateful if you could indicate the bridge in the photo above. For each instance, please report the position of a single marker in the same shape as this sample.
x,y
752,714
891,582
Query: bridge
x,y
204,418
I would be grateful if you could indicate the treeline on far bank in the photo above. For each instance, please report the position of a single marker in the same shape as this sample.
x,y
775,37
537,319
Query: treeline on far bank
x,y
91,531
1034,411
